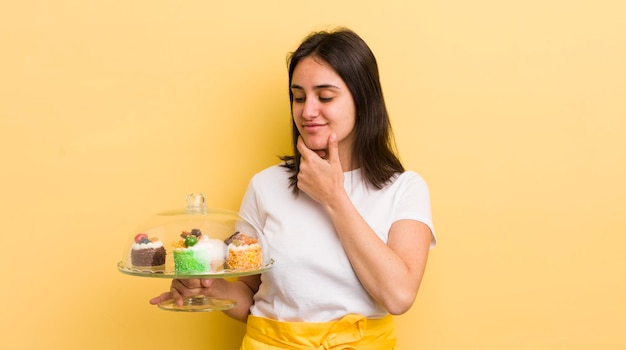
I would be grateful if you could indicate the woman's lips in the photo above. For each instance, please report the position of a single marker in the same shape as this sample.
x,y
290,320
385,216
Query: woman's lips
x,y
313,127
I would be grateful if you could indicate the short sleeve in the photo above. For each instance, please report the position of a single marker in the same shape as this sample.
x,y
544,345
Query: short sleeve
x,y
413,201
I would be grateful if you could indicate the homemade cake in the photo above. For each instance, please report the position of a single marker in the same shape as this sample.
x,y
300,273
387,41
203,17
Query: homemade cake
x,y
196,253
147,252
244,252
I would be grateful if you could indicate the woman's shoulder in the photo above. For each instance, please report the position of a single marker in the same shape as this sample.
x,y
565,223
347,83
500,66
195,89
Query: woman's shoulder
x,y
409,177
272,173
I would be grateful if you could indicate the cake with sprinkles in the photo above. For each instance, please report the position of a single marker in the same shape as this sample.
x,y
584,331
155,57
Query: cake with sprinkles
x,y
244,252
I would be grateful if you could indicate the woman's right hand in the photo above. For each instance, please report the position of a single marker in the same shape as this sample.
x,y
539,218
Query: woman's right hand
x,y
241,291
184,288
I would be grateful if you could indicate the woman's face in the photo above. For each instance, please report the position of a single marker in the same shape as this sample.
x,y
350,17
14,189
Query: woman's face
x,y
322,105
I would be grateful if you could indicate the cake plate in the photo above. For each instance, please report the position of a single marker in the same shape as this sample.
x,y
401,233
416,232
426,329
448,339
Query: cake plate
x,y
198,302
151,250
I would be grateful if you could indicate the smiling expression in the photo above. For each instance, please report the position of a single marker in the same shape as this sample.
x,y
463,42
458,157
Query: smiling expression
x,y
322,104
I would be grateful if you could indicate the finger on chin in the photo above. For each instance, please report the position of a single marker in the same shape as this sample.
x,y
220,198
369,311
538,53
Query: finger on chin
x,y
321,153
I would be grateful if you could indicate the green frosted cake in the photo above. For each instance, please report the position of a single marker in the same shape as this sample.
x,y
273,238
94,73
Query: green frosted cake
x,y
185,261
196,253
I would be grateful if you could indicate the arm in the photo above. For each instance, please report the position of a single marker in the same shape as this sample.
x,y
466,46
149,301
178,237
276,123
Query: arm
x,y
241,290
392,272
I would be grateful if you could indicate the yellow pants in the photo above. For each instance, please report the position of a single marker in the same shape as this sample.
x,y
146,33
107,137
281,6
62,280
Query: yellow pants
x,y
350,332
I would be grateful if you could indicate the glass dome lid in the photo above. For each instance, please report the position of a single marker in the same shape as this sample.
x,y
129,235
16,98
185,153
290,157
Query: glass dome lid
x,y
195,242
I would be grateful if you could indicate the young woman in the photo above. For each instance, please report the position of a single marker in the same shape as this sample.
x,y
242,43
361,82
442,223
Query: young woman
x,y
349,229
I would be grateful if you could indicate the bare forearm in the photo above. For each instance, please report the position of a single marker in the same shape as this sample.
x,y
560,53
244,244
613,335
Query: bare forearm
x,y
241,291
388,275
242,295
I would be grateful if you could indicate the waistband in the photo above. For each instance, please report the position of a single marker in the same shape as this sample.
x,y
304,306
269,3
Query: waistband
x,y
350,332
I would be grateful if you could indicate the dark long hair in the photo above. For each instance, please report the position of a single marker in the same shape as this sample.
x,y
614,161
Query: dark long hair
x,y
374,145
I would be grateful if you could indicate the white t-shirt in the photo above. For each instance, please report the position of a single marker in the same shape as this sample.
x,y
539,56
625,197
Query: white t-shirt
x,y
312,279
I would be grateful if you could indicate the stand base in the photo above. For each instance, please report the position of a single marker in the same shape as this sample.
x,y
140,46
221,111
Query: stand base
x,y
199,303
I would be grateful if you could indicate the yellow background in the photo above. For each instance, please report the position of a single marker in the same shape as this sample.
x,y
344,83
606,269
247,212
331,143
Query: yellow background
x,y
513,111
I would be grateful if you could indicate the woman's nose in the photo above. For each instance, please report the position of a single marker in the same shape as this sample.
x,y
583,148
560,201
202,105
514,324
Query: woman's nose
x,y
310,109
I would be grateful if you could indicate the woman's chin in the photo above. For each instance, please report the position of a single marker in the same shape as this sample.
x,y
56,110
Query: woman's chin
x,y
316,143
317,148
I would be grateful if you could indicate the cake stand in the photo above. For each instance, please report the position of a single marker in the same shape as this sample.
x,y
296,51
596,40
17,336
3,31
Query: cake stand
x,y
150,251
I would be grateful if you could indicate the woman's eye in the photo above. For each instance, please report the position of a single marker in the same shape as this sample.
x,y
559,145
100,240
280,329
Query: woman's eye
x,y
325,99
298,99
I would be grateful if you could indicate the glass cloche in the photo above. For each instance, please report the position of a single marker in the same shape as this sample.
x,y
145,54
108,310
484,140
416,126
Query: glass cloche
x,y
195,242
